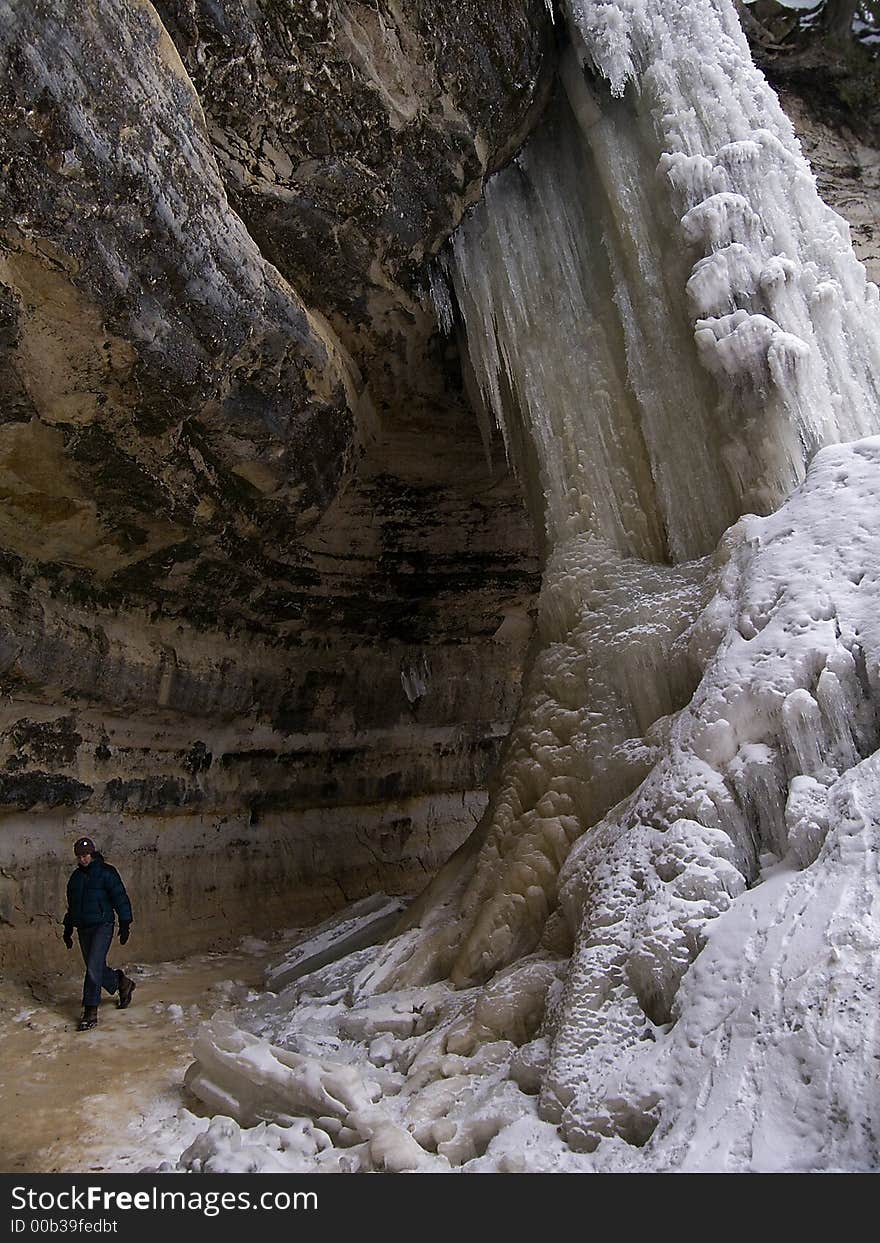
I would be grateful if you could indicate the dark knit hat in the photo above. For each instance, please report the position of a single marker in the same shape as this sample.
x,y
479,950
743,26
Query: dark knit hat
x,y
84,846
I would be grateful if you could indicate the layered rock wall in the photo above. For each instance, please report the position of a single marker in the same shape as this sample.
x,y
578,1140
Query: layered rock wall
x,y
264,600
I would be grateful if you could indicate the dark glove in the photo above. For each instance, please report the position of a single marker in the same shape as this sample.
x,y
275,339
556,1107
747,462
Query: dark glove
x,y
68,937
124,930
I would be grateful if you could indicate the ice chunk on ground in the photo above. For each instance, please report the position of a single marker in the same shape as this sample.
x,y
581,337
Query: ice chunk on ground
x,y
363,923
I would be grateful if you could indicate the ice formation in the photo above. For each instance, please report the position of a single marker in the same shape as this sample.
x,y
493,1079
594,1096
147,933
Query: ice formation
x,y
659,948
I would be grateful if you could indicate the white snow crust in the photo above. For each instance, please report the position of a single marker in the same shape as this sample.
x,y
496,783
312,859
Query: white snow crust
x,y
660,948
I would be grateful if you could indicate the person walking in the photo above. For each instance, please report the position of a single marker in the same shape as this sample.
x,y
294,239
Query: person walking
x,y
95,893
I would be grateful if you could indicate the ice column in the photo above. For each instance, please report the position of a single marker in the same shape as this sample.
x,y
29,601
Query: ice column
x,y
662,314
666,322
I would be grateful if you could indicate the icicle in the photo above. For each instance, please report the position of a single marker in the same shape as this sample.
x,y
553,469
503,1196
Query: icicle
x,y
441,299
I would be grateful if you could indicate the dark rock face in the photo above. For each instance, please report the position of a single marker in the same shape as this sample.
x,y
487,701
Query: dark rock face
x,y
168,381
262,600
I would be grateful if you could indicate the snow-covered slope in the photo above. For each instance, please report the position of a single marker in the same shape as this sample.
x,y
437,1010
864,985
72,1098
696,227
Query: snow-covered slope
x,y
658,949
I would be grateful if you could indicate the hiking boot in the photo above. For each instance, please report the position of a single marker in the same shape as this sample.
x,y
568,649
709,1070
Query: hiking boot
x,y
126,988
89,1019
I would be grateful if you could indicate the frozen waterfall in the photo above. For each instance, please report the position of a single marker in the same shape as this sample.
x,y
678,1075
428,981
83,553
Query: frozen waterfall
x,y
657,950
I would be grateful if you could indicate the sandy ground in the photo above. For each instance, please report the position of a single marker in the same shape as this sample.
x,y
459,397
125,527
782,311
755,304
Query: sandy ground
x,y
112,1099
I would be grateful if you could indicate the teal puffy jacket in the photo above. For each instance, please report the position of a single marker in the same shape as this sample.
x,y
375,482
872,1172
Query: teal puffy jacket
x,y
94,894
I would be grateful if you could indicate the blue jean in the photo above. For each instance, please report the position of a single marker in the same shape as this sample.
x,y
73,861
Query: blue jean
x,y
94,942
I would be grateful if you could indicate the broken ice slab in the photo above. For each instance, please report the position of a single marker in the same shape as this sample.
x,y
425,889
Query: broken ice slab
x,y
363,923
